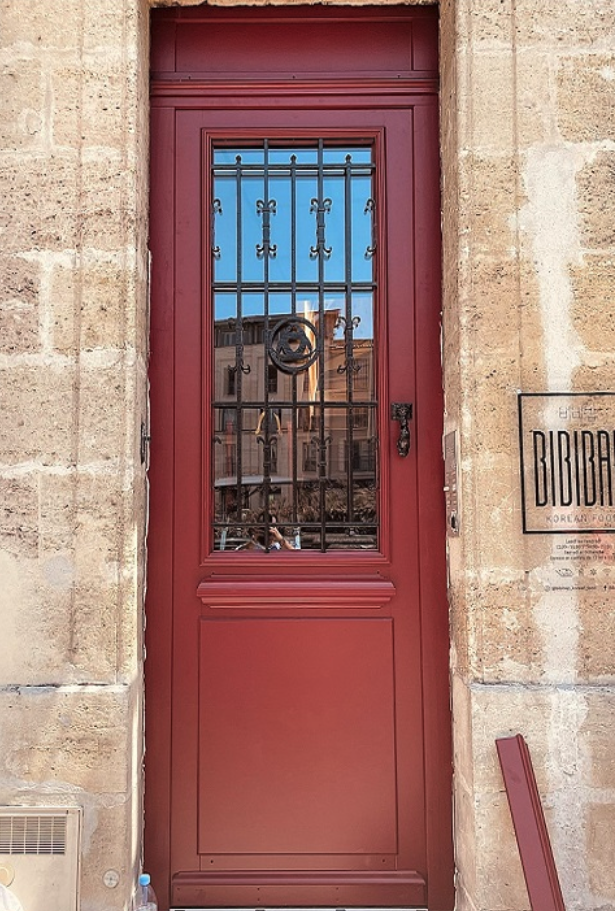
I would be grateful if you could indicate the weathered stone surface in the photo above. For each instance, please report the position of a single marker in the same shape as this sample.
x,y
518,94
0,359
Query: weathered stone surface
x,y
21,103
534,108
596,196
104,403
465,840
508,647
565,23
37,407
95,96
493,90
594,320
504,302
73,736
597,738
585,97
600,848
19,516
500,883
89,305
504,711
492,22
108,826
488,203
19,309
596,662
61,202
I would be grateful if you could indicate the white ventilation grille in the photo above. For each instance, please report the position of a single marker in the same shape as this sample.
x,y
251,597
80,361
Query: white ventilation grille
x,y
33,834
39,856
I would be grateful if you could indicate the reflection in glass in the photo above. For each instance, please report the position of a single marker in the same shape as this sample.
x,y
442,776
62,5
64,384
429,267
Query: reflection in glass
x,y
294,411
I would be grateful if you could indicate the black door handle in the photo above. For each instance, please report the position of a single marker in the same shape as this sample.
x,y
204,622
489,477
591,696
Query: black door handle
x,y
402,412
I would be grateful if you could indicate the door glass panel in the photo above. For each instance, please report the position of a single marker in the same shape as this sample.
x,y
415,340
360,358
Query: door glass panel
x,y
294,291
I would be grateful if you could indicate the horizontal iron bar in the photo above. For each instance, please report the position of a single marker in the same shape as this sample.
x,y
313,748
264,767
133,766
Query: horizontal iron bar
x,y
303,287
279,403
328,170
331,525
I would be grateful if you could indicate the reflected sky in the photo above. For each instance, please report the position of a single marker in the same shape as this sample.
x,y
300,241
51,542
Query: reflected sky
x,y
292,216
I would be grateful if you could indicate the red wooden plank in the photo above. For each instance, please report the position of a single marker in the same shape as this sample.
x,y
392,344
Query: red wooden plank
x,y
530,827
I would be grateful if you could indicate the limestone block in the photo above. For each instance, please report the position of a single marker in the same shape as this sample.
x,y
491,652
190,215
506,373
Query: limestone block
x,y
76,736
508,647
598,738
586,84
89,104
459,620
110,26
503,302
601,850
504,711
596,662
536,105
465,838
61,628
82,513
488,204
494,381
496,503
493,101
597,374
109,193
463,759
500,883
19,516
96,305
596,200
60,202
21,104
31,24
109,828
36,403
565,23
105,402
39,208
491,21
91,26
593,281
19,310
35,621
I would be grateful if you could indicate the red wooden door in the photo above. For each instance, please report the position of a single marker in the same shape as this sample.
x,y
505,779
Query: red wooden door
x,y
297,729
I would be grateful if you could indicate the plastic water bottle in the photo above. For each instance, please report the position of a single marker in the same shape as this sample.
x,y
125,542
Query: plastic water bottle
x,y
145,897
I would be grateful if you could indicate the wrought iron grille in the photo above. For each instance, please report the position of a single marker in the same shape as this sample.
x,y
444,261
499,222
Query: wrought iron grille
x,y
293,239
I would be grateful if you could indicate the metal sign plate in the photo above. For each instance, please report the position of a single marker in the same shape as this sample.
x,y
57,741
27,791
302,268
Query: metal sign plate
x,y
567,449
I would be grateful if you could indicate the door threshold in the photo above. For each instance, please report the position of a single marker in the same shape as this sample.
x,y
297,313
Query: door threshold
x,y
304,908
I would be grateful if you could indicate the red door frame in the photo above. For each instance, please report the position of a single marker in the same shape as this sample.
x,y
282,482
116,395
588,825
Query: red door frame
x,y
167,96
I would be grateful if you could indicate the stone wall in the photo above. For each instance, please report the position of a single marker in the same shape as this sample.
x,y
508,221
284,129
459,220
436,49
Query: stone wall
x,y
73,276
528,151
529,198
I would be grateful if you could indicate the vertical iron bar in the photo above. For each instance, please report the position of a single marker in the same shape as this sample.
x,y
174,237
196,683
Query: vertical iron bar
x,y
266,422
349,338
322,461
239,348
294,423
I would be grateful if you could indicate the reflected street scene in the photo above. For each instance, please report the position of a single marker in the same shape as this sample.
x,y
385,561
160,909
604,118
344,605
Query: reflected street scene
x,y
295,399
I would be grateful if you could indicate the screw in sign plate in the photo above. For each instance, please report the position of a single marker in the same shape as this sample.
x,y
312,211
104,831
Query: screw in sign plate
x,y
111,879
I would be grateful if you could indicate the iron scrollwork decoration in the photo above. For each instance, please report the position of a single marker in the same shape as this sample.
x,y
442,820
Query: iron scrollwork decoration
x,y
348,327
216,209
266,210
370,209
290,346
402,412
320,209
